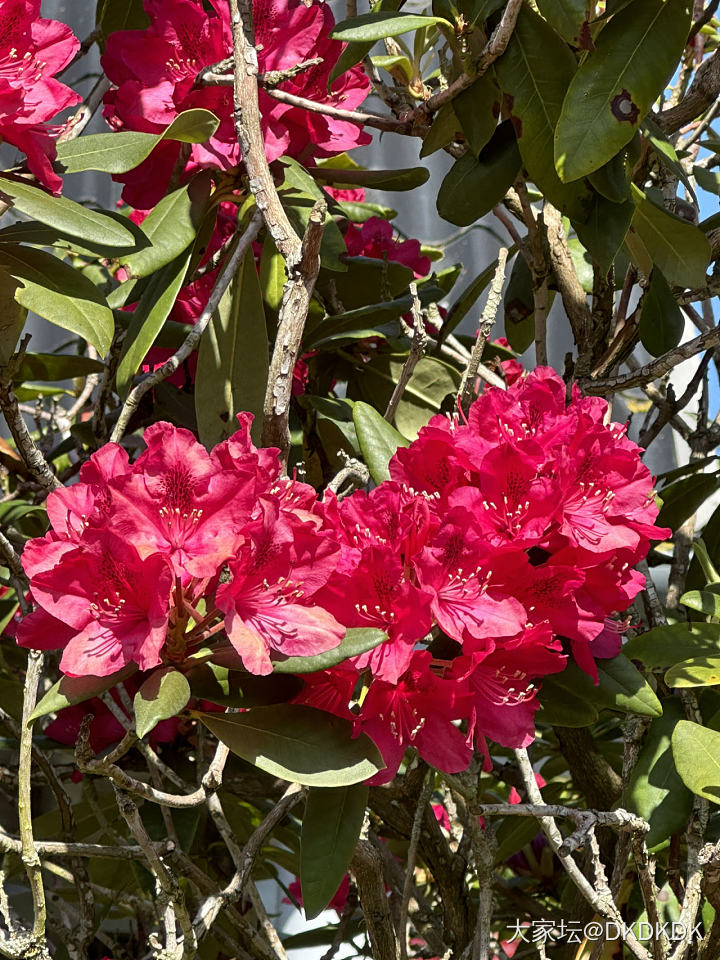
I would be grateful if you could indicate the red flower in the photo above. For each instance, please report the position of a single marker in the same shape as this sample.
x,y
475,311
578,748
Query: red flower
x,y
155,73
375,238
32,50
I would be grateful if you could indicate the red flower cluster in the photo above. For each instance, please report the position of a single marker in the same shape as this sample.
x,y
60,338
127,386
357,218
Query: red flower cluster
x,y
155,72
32,50
503,544
500,545
375,238
138,551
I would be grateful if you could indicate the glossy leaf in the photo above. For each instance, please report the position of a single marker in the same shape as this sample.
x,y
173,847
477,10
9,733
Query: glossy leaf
x,y
162,696
70,690
661,321
698,672
146,321
572,699
604,230
330,829
477,110
123,151
233,360
237,688
474,185
534,74
668,645
706,602
443,130
357,640
378,440
298,743
682,498
678,248
56,366
655,791
170,227
617,83
55,291
407,178
568,17
696,751
369,27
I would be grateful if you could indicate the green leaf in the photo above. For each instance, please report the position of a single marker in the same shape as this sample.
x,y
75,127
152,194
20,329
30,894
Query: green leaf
x,y
562,705
443,129
170,227
519,307
114,15
661,321
534,74
330,830
233,360
68,216
477,110
123,151
56,366
474,185
360,212
676,247
298,743
623,687
238,688
365,277
617,83
612,179
146,321
272,274
406,178
357,640
70,690
668,645
655,791
699,672
60,294
370,27
162,696
682,498
12,317
298,194
604,229
666,153
706,602
696,751
378,440
566,16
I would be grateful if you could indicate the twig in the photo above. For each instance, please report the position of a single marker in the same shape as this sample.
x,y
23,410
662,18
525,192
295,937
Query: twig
x,y
418,346
366,867
353,470
193,338
32,457
73,127
423,799
466,392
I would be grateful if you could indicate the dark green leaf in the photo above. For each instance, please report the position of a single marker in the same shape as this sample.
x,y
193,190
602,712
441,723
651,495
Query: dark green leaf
x,y
162,696
359,212
70,690
477,110
233,360
119,152
474,185
604,230
382,312
561,704
272,274
656,792
444,129
357,640
696,751
153,309
398,180
519,307
661,321
298,193
298,743
666,153
55,291
612,180
623,687
330,830
56,366
237,688
369,27
617,83
706,602
378,440
682,498
12,317
534,74
668,645
70,217
114,15
567,17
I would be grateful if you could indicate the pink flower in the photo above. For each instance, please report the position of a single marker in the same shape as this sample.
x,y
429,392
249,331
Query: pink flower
x,y
155,74
32,50
375,238
338,901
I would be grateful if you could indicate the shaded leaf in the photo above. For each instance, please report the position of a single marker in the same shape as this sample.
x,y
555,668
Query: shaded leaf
x,y
233,360
617,83
668,645
676,247
604,230
682,498
699,672
357,640
70,690
477,110
162,696
474,185
56,366
237,688
566,16
12,317
406,178
444,127
519,307
661,321
170,227
298,194
330,830
378,440
706,602
298,743
114,15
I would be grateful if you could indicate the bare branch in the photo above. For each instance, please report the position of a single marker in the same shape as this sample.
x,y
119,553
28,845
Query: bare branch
x,y
417,350
466,394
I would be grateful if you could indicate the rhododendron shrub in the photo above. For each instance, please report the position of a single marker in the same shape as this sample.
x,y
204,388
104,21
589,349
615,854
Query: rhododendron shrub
x,y
382,571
